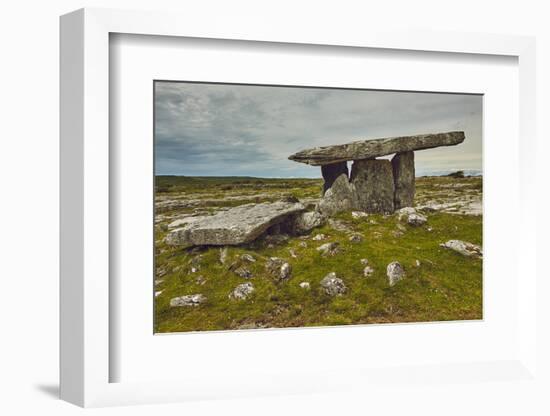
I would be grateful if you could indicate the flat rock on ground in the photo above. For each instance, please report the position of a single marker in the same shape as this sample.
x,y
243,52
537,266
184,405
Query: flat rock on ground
x,y
237,225
369,149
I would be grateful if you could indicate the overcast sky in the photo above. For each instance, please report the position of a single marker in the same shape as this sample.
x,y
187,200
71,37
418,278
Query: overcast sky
x,y
241,130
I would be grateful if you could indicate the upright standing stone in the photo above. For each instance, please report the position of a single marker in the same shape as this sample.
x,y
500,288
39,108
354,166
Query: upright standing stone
x,y
403,177
331,173
374,186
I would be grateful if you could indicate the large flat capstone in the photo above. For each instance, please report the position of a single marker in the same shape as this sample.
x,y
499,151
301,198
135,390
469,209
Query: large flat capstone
x,y
370,149
237,225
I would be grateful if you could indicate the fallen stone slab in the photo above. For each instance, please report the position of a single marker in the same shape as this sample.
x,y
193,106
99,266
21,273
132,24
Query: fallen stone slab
x,y
463,247
370,149
237,225
188,300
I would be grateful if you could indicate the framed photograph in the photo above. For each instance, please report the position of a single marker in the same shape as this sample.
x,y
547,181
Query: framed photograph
x,y
274,212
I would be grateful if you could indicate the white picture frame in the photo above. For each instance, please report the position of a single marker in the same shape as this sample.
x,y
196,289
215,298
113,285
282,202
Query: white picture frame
x,y
85,208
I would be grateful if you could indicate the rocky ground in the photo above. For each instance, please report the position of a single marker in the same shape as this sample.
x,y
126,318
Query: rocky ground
x,y
417,265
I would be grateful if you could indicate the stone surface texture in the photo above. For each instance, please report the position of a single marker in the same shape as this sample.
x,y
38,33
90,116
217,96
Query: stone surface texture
x,y
369,149
237,225
403,178
372,181
307,221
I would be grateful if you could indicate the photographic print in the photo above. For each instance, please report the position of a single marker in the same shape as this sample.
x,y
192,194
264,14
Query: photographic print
x,y
291,206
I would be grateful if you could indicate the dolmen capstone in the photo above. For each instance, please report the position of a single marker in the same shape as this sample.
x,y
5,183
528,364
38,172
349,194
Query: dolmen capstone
x,y
374,185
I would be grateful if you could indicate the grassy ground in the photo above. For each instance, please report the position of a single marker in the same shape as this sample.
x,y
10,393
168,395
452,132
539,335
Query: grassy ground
x,y
445,286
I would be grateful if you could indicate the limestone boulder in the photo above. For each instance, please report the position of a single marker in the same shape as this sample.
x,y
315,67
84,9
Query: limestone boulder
x,y
339,197
237,225
242,291
188,300
373,183
306,221
395,272
333,285
463,247
332,172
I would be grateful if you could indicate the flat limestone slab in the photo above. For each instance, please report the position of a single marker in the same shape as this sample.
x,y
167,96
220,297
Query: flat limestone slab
x,y
237,225
369,149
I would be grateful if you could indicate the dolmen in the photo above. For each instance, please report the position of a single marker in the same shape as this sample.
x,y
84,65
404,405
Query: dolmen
x,y
374,185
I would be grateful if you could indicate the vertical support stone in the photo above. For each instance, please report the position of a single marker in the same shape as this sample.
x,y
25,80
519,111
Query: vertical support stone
x,y
403,176
331,172
374,185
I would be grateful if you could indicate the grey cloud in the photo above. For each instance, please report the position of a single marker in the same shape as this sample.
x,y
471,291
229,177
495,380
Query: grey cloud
x,y
218,129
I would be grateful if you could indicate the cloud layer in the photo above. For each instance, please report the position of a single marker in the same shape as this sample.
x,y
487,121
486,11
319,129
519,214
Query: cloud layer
x,y
242,130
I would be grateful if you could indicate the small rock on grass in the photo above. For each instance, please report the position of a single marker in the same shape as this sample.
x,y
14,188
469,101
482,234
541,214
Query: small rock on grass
x,y
292,253
248,257
463,247
356,238
395,272
319,237
305,285
242,291
367,271
359,214
188,300
333,285
243,272
158,293
278,268
416,220
364,262
417,263
200,280
328,249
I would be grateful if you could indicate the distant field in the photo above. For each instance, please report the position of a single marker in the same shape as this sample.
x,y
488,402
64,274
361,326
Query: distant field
x,y
444,286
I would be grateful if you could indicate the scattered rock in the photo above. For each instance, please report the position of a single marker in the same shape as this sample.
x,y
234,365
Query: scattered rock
x,y
243,272
158,293
338,225
319,237
463,247
359,214
200,280
417,263
306,221
188,300
364,262
242,291
305,285
278,268
341,196
328,249
333,285
158,281
356,238
416,220
193,269
302,244
367,271
248,257
395,272
237,225
292,253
